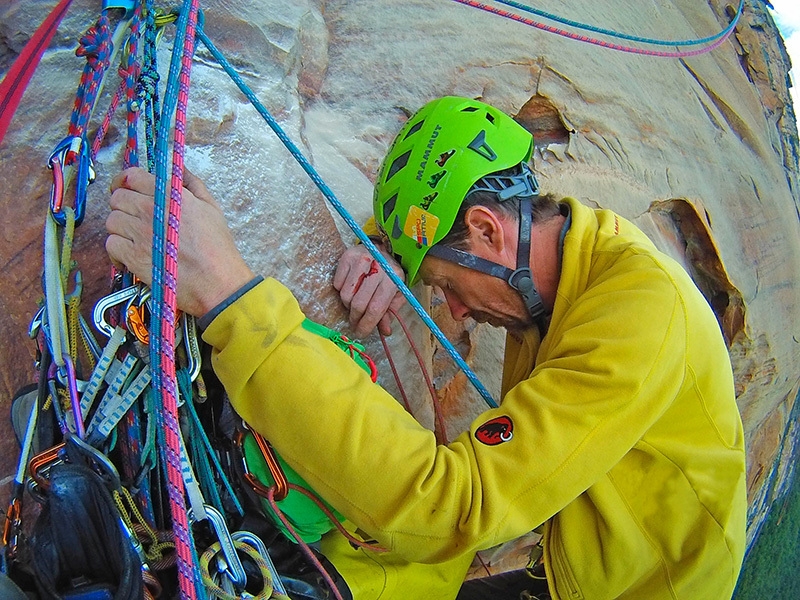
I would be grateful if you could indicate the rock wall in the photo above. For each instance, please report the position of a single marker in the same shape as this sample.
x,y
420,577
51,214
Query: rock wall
x,y
701,153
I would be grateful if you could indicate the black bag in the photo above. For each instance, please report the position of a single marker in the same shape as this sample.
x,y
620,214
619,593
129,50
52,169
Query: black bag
x,y
78,542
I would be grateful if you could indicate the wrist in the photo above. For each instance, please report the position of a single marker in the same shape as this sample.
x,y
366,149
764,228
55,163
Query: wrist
x,y
208,316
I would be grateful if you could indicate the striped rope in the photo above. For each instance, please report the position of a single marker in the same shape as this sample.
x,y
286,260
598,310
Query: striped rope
x,y
602,43
96,45
131,74
334,201
625,36
162,329
19,75
148,85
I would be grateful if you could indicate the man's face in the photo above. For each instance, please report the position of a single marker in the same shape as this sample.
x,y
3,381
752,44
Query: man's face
x,y
470,293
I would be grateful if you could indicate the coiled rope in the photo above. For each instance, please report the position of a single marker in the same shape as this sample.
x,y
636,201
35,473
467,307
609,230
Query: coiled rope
x,y
597,42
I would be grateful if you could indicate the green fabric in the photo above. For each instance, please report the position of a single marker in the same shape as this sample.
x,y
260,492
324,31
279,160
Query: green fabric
x,y
306,517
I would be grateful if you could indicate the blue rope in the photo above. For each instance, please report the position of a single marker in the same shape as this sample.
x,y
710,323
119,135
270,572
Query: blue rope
x,y
625,36
326,191
148,82
159,258
185,385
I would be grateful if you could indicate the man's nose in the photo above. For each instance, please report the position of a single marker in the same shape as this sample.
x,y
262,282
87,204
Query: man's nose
x,y
458,309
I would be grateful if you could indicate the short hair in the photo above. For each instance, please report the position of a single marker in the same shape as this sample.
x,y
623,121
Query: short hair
x,y
543,208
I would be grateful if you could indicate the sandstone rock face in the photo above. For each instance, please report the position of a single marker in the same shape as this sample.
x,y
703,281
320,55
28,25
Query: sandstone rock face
x,y
701,153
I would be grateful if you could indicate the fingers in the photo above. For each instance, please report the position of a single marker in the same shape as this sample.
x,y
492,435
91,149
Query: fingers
x,y
385,324
366,290
195,185
136,179
371,302
123,252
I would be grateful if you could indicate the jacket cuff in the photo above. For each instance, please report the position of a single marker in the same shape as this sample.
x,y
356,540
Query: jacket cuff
x,y
206,319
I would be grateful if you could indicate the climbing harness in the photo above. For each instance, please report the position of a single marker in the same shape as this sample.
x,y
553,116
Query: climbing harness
x,y
718,40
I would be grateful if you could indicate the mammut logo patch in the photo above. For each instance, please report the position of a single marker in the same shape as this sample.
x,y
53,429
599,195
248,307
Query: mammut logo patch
x,y
496,431
426,201
436,178
444,157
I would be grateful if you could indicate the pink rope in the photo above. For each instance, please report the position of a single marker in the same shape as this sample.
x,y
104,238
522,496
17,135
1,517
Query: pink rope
x,y
591,40
170,393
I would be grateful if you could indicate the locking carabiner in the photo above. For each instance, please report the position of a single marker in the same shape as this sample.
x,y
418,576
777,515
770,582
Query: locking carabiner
x,y
67,151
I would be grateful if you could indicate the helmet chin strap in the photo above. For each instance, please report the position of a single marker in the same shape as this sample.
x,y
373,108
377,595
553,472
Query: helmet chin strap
x,y
521,278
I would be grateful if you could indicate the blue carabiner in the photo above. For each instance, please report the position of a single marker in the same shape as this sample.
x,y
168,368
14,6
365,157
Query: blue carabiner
x,y
57,161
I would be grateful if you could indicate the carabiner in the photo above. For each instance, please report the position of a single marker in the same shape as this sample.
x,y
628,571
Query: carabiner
x,y
113,299
235,571
39,468
191,345
253,540
271,460
95,459
59,159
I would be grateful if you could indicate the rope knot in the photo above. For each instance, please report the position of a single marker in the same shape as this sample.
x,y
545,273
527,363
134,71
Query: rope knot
x,y
148,83
96,44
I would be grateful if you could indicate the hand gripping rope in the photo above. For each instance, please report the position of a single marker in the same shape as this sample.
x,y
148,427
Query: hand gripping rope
x,y
334,201
165,272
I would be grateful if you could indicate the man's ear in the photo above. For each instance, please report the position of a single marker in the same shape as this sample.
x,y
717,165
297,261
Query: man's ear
x,y
485,229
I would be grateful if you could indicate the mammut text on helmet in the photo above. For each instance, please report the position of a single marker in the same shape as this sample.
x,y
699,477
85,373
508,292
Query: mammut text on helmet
x,y
427,154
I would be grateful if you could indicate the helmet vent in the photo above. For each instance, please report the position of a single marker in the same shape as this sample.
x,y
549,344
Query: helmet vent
x,y
490,118
469,109
396,229
398,163
414,129
388,207
480,146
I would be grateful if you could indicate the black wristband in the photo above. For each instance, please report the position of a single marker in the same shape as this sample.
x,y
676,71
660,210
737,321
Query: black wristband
x,y
206,319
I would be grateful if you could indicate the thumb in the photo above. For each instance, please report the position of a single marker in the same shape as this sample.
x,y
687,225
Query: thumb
x,y
195,185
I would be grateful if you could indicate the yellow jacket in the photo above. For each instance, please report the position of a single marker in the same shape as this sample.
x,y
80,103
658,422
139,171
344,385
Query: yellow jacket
x,y
620,432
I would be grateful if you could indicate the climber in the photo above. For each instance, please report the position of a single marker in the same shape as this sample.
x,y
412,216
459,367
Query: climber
x,y
618,430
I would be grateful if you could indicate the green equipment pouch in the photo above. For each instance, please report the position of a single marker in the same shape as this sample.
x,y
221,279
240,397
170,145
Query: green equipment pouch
x,y
306,517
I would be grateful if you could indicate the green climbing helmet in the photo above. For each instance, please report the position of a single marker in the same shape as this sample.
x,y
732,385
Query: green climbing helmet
x,y
440,152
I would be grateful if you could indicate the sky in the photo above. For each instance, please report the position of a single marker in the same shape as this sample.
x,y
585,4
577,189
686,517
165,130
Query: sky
x,y
787,16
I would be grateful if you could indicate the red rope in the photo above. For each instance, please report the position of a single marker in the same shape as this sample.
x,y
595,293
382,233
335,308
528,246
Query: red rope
x,y
180,525
395,373
303,546
441,433
19,75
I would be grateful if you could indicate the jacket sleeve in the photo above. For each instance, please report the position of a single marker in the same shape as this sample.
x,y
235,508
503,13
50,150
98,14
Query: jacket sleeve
x,y
573,419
